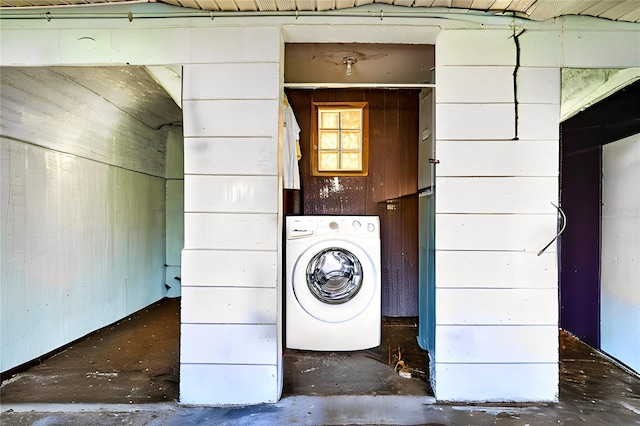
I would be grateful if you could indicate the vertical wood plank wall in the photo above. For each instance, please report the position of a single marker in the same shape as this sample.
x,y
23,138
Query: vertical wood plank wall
x,y
389,190
496,300
230,346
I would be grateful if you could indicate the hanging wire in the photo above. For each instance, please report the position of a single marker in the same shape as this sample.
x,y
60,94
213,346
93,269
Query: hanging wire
x,y
564,226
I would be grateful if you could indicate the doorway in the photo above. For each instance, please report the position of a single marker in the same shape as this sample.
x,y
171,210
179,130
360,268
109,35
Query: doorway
x,y
389,190
95,155
598,306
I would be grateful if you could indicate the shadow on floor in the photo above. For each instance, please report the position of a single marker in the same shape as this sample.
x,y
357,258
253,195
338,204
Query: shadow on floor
x,y
373,371
136,360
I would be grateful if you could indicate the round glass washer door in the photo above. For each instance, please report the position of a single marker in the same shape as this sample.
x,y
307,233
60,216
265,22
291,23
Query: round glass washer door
x,y
334,281
334,275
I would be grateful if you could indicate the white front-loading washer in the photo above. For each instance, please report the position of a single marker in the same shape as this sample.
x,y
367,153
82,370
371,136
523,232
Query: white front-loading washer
x,y
333,282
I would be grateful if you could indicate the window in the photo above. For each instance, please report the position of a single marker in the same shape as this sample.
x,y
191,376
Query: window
x,y
340,139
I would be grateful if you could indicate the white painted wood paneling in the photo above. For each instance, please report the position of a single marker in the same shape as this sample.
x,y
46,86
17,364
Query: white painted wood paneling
x,y
475,47
43,47
175,152
172,279
170,78
253,77
229,268
174,220
539,121
76,45
246,44
469,306
500,190
529,233
230,231
174,207
474,84
153,46
496,269
86,239
231,118
426,142
491,344
235,165
595,49
242,44
228,384
541,48
231,156
228,344
539,85
161,46
45,108
501,158
474,121
229,305
496,195
620,257
231,194
497,382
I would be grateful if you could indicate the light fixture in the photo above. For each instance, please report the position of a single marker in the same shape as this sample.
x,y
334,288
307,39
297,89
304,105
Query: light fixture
x,y
349,61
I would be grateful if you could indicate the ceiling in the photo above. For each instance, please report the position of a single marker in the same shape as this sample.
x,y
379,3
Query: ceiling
x,y
133,89
374,64
538,10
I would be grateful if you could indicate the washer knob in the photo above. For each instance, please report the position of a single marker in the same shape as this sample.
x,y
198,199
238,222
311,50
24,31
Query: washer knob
x,y
371,227
356,224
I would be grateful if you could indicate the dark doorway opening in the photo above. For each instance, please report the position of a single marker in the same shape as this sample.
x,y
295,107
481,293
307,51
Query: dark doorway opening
x,y
582,139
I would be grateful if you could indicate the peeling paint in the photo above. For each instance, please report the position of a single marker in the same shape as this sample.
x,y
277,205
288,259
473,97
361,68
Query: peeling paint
x,y
331,186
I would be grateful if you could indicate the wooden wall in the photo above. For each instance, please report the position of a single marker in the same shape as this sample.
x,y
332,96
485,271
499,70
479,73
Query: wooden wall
x,y
83,202
388,191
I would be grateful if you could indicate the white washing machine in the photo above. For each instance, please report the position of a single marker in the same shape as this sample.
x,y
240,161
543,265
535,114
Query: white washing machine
x,y
333,282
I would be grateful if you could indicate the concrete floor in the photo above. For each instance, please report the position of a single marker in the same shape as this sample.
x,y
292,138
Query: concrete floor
x,y
367,372
106,379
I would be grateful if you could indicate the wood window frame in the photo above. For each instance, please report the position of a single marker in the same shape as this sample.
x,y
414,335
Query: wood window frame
x,y
364,106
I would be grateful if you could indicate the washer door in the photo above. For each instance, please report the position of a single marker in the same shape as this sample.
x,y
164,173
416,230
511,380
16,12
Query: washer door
x,y
334,280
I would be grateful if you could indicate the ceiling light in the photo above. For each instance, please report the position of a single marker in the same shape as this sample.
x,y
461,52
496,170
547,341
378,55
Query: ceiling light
x,y
349,61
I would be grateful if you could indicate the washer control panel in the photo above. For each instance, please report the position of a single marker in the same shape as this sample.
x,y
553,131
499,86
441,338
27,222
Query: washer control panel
x,y
312,226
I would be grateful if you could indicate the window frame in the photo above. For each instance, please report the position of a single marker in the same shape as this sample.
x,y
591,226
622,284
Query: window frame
x,y
315,110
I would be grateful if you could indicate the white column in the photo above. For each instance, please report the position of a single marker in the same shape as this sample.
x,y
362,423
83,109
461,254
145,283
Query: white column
x,y
496,300
230,347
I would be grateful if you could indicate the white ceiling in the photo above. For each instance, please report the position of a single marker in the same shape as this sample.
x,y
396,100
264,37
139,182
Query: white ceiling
x,y
539,10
